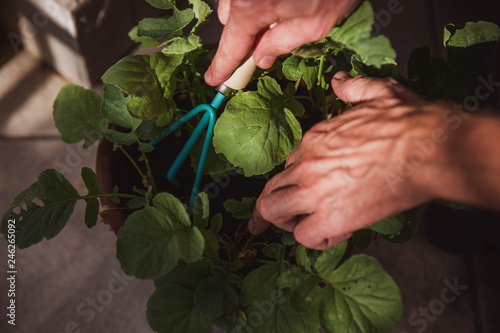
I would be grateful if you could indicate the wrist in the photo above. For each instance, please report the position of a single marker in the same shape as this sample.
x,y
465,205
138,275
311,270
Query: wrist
x,y
461,163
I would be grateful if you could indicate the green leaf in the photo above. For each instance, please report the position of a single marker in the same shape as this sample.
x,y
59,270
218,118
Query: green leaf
x,y
291,68
361,239
473,33
273,250
164,67
183,45
374,51
146,147
91,182
255,132
133,75
358,26
77,115
201,210
160,4
177,275
120,138
211,244
295,68
306,258
361,297
174,210
201,11
136,203
92,205
288,239
150,244
278,317
216,223
389,226
226,321
240,210
190,243
260,283
199,271
409,220
146,247
171,309
91,212
146,42
114,108
215,298
166,27
295,106
328,260
35,221
307,295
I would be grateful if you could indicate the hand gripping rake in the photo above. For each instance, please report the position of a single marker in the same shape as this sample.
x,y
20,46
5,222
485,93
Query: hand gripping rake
x,y
237,81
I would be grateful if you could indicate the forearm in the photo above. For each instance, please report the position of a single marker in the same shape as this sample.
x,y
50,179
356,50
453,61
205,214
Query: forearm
x,y
465,166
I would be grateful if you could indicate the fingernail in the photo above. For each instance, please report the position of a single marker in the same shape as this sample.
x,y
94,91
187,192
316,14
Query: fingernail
x,y
208,76
266,62
341,75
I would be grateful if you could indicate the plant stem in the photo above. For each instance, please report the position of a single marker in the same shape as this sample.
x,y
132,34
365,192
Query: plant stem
x,y
192,95
196,82
132,161
148,166
264,261
321,82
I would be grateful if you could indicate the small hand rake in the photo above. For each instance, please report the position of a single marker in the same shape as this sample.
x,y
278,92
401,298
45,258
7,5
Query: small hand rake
x,y
237,81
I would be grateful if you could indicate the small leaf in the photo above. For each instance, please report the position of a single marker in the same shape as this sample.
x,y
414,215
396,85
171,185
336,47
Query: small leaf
x,y
216,223
136,203
190,243
146,42
214,298
389,226
115,199
77,115
171,309
34,221
226,321
145,147
91,182
260,283
150,243
240,209
473,33
306,258
361,297
114,108
211,244
409,220
183,45
201,210
358,26
255,132
160,4
166,27
120,138
288,239
295,106
173,209
91,212
201,11
328,260
273,250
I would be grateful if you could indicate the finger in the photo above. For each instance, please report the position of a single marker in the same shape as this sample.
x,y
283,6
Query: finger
x,y
287,36
360,89
223,11
315,232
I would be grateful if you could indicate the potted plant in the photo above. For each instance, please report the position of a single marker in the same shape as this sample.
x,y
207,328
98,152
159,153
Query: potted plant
x,y
208,270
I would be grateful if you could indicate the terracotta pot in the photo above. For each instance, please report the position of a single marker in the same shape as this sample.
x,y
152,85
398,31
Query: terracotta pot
x,y
113,214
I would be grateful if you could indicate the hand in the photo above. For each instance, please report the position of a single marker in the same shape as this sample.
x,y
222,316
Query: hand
x,y
341,177
299,22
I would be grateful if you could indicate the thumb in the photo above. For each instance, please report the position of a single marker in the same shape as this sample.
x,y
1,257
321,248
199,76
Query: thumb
x,y
360,89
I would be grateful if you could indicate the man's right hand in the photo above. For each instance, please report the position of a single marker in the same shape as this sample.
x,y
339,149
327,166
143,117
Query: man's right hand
x,y
298,22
